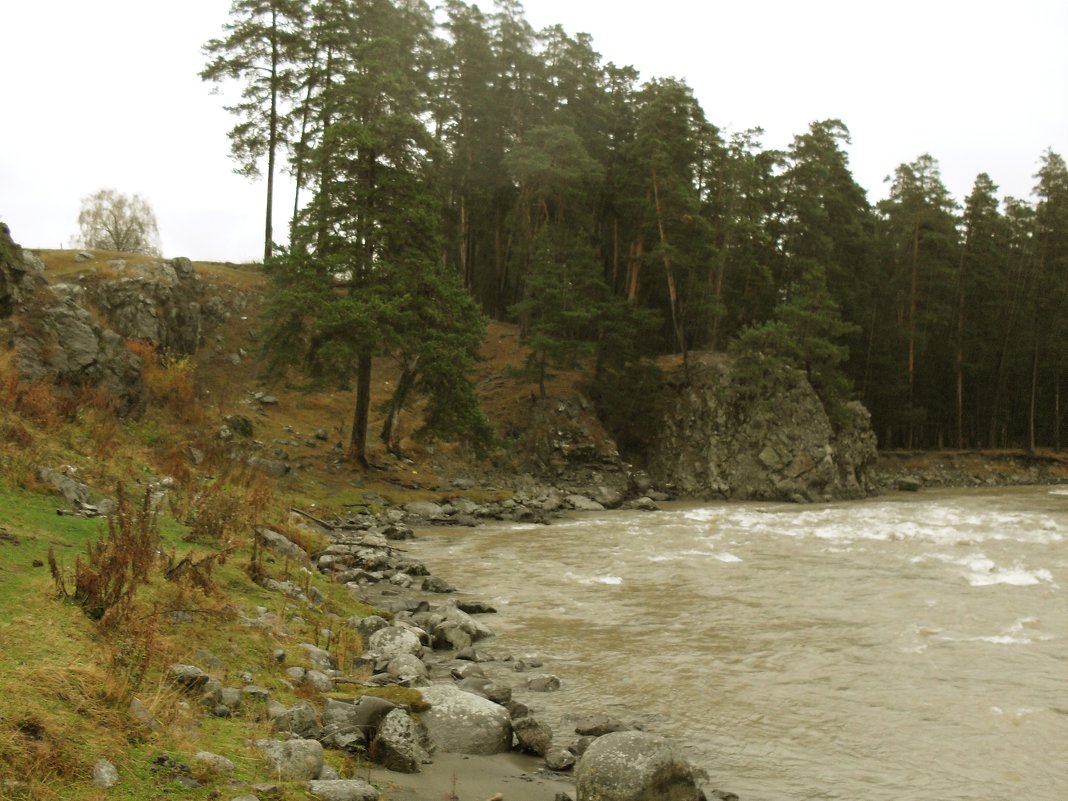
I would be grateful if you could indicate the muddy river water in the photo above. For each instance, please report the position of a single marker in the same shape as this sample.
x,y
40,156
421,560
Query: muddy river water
x,y
904,647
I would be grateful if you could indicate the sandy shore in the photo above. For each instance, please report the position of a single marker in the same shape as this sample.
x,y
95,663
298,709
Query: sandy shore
x,y
456,777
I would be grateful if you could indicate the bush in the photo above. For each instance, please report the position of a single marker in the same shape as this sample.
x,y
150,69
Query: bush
x,y
106,583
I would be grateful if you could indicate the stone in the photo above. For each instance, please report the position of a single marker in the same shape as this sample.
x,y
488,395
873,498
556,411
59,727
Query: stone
x,y
463,723
634,766
293,760
532,736
328,774
318,658
407,668
214,762
342,790
318,680
394,641
436,584
144,717
366,626
909,484
189,677
583,504
598,725
543,683
424,509
299,719
559,759
492,690
105,776
401,743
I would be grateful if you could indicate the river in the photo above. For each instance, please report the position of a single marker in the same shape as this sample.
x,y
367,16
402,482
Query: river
x,y
904,647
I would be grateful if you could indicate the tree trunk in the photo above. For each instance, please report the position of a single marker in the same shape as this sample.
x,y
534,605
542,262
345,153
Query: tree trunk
x,y
272,138
913,291
358,442
1034,393
673,290
390,435
960,355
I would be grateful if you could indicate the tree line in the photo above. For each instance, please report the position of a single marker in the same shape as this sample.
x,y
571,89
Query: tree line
x,y
457,163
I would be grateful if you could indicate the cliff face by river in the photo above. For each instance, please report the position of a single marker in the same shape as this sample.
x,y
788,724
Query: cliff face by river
x,y
721,436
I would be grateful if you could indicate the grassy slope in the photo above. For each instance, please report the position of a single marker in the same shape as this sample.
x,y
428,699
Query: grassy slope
x,y
66,682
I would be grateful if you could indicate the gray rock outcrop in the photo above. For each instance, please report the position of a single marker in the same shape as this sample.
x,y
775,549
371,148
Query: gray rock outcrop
x,y
634,766
722,436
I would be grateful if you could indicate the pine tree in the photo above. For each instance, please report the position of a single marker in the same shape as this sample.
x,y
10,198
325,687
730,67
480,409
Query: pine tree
x,y
260,50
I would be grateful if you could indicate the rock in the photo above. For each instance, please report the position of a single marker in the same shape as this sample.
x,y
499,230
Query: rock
x,y
366,626
73,491
282,545
642,504
295,760
401,743
368,713
491,690
318,680
394,641
583,504
105,776
299,719
909,484
317,657
239,424
435,584
532,736
634,766
328,774
425,510
559,759
189,677
543,683
271,467
721,436
342,790
142,714
214,762
246,797
407,668
598,725
463,723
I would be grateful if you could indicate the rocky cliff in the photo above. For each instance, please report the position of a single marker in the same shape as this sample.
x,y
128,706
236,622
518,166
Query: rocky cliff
x,y
722,435
74,334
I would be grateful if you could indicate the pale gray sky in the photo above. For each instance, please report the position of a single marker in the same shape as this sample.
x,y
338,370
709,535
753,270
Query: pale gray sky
x,y
106,94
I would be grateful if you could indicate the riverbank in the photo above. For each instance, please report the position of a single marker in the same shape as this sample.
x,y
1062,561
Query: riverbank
x,y
971,468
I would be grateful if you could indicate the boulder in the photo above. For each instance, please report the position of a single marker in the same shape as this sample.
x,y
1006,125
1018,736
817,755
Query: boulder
x,y
460,722
282,545
300,719
559,759
293,760
634,766
401,743
532,736
189,677
394,641
543,683
214,762
342,790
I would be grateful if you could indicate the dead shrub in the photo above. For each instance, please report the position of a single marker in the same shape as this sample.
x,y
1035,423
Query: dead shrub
x,y
169,381
106,582
226,507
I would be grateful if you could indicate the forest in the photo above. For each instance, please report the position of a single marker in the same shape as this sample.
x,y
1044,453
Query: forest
x,y
455,163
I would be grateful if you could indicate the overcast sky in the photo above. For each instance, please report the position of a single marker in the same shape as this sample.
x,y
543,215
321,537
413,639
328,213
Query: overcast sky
x,y
106,94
